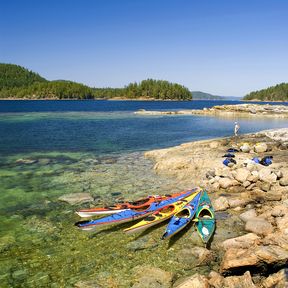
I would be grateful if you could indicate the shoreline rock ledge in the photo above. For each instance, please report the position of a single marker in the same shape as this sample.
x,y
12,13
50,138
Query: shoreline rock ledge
x,y
244,110
251,204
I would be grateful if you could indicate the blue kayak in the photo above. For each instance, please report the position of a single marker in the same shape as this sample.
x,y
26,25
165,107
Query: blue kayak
x,y
181,219
129,214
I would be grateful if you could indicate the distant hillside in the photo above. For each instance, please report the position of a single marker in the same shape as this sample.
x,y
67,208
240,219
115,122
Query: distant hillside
x,y
274,93
205,96
12,76
19,82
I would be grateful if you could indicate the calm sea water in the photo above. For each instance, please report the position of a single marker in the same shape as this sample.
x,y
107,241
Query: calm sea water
x,y
110,126
51,148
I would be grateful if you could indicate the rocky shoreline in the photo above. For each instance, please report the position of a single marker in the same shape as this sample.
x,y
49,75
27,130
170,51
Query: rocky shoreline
x,y
250,244
239,110
251,196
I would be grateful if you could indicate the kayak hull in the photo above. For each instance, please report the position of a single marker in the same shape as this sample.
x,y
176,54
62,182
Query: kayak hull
x,y
181,219
205,218
161,215
138,204
129,214
84,214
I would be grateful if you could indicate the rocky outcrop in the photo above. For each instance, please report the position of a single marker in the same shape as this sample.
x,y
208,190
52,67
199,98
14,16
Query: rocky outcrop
x,y
252,110
259,256
276,280
251,201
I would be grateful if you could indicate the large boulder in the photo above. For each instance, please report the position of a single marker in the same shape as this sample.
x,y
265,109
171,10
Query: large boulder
x,y
242,174
221,204
244,281
236,202
259,256
195,281
247,215
258,226
216,280
245,147
260,147
227,182
244,242
284,181
254,176
276,280
267,175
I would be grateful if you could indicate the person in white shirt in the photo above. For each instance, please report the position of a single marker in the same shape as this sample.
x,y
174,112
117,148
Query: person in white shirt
x,y
236,128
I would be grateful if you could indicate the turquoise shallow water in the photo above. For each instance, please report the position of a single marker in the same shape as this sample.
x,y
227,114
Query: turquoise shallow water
x,y
46,154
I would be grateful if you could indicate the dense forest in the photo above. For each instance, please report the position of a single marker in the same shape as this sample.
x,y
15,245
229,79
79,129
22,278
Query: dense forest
x,y
18,82
274,93
154,89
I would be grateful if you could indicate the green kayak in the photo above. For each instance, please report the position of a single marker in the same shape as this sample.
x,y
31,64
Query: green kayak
x,y
205,218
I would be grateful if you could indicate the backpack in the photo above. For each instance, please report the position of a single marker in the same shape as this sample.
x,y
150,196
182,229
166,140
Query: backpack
x,y
266,161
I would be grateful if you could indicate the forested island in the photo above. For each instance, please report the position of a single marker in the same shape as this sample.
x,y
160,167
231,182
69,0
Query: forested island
x,y
275,93
17,82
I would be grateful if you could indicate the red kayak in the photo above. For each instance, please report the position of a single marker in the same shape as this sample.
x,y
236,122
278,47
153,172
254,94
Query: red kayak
x,y
135,205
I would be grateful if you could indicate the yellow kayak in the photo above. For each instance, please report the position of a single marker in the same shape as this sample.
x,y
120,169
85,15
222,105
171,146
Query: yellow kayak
x,y
161,215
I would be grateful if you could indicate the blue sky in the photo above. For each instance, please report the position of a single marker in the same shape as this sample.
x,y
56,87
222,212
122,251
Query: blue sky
x,y
223,47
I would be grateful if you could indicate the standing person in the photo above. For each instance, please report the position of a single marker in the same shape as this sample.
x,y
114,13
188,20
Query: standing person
x,y
236,128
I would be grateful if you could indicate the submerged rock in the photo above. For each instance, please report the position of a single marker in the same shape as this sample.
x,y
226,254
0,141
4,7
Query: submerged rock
x,y
87,284
197,256
151,277
26,161
76,198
